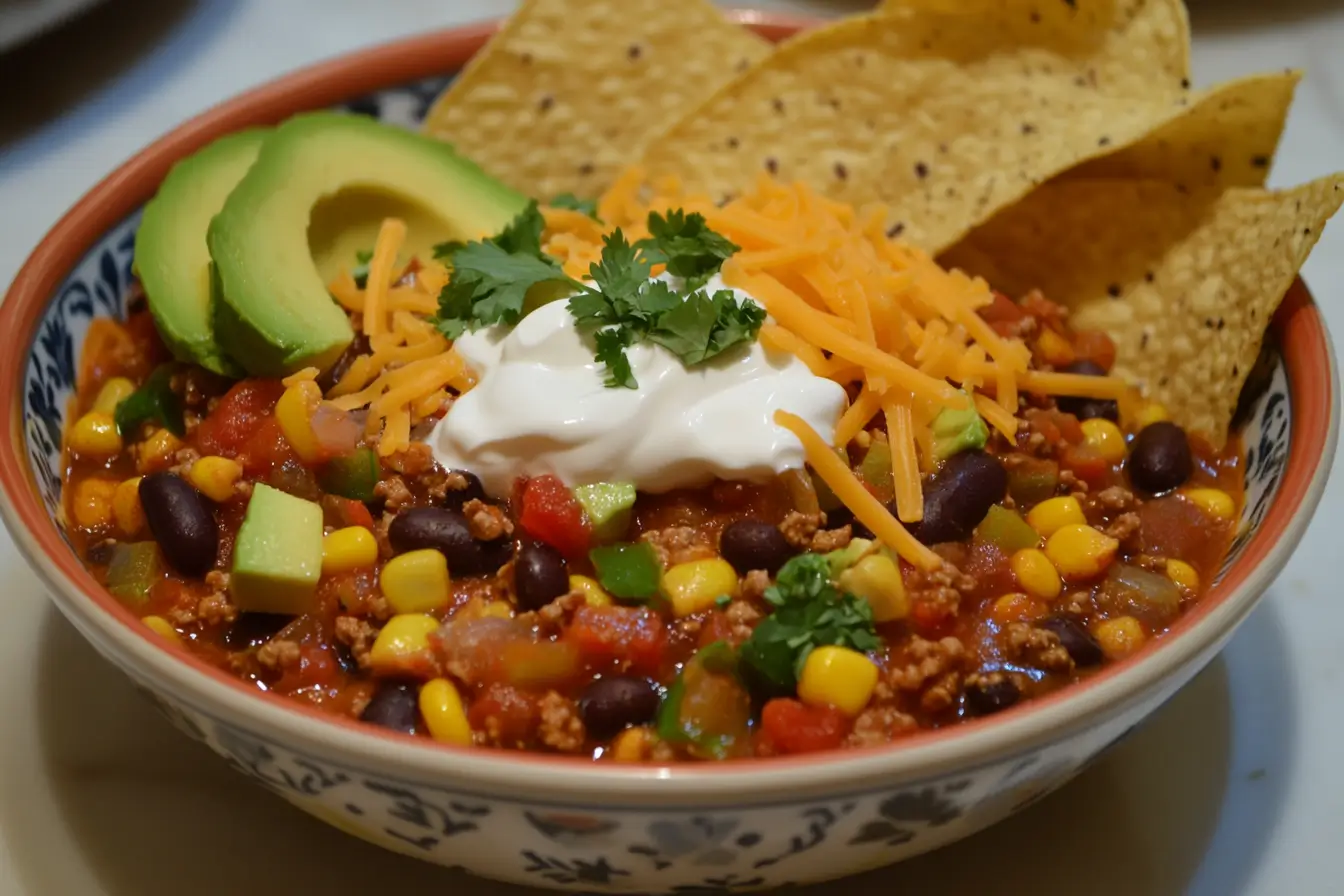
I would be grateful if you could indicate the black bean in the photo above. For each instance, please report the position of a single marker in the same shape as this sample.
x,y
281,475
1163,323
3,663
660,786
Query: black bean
x,y
456,498
447,532
611,704
1160,458
754,544
959,495
182,523
395,706
843,516
991,693
539,576
1075,639
253,629
1088,408
358,346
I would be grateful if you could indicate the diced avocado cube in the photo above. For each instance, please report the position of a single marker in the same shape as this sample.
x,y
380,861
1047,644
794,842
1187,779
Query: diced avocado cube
x,y
955,431
847,556
277,557
608,505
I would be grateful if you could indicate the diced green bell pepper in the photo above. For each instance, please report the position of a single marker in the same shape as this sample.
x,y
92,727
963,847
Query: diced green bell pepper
x,y
707,708
628,571
154,402
353,476
1006,530
133,570
875,470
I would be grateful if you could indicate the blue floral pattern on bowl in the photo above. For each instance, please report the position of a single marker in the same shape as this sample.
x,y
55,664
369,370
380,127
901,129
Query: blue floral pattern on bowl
x,y
707,849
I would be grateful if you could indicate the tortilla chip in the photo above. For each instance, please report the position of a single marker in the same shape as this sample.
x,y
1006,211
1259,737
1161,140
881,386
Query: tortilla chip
x,y
569,92
1228,138
944,116
1185,281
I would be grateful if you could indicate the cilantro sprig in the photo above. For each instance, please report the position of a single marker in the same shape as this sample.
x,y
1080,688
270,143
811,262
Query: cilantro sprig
x,y
687,245
809,612
570,201
491,277
623,307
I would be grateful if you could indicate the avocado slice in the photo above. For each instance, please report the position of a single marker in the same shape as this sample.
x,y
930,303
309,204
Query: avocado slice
x,y
955,431
277,556
323,183
171,256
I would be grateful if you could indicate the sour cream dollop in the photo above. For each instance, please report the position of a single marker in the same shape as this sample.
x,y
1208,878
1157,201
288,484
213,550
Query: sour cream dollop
x,y
540,406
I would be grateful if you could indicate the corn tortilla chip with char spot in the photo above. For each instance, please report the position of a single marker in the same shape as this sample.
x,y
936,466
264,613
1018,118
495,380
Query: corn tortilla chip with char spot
x,y
944,117
1184,281
569,92
1228,137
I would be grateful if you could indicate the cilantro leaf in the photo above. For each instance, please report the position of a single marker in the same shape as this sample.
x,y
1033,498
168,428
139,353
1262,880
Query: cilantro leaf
x,y
621,273
154,402
611,345
703,327
570,201
687,245
490,278
810,612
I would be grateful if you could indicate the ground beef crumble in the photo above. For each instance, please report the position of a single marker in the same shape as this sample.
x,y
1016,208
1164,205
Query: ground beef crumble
x,y
278,654
879,725
1125,527
753,585
679,544
1038,648
827,540
394,492
556,615
929,668
216,608
486,521
438,483
358,635
743,616
942,588
561,727
1114,498
799,528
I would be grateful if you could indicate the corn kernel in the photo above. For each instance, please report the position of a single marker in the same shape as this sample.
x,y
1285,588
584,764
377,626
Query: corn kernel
x,y
1080,551
126,509
839,677
695,586
114,392
402,639
1184,575
95,436
632,745
1054,349
441,707
1105,438
877,579
92,503
1035,574
163,628
416,581
294,412
353,547
1016,608
156,452
214,476
593,594
1149,412
1053,514
1119,637
1213,501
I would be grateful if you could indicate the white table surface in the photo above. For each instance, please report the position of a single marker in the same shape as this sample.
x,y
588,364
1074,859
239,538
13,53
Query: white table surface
x,y
1233,788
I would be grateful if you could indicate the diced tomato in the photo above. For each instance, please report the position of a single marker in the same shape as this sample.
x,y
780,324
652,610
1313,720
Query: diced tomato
x,y
791,726
1044,310
626,635
716,627
354,513
1002,309
1055,425
235,419
506,713
266,448
1085,463
316,668
551,514
931,620
1094,346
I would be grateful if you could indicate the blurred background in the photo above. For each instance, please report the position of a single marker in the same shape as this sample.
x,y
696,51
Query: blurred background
x,y
1233,788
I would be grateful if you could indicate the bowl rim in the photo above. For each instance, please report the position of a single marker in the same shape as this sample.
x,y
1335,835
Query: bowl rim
x,y
1298,325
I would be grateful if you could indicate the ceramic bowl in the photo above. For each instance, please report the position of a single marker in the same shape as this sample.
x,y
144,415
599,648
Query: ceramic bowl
x,y
569,823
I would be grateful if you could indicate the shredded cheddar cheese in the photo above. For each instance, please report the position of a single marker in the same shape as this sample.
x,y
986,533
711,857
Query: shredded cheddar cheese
x,y
856,305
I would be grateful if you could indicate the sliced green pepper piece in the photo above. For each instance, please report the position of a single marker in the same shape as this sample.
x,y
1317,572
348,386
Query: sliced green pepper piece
x,y
628,571
707,708
1006,530
133,570
353,476
153,402
876,471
